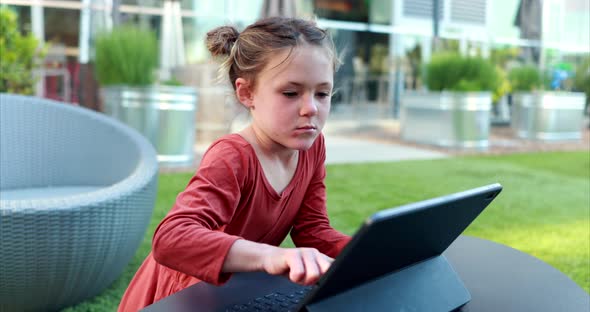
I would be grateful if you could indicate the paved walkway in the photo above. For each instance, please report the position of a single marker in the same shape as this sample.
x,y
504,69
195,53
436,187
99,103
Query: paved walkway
x,y
353,141
342,148
346,150
350,141
358,140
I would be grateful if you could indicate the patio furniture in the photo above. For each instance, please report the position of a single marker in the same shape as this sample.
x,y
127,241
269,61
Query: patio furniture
x,y
76,196
498,277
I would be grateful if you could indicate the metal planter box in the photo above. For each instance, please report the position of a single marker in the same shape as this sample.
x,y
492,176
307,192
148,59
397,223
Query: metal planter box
x,y
549,116
448,119
163,114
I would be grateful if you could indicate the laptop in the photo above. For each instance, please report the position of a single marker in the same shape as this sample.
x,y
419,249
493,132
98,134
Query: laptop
x,y
394,259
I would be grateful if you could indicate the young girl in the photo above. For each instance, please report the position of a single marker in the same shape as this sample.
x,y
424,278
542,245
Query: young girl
x,y
254,187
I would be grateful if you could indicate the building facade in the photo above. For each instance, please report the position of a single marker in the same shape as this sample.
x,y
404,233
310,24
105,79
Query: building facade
x,y
380,40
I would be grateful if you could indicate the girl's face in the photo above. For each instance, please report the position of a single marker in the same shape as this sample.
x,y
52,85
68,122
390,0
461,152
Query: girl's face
x,y
291,100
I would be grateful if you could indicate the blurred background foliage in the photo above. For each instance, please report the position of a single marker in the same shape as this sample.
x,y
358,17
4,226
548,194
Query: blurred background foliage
x,y
453,72
524,78
127,55
21,55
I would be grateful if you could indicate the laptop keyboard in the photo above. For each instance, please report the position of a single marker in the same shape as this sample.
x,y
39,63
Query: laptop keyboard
x,y
276,301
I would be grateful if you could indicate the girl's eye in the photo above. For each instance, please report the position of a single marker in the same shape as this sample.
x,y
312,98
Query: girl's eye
x,y
323,94
290,94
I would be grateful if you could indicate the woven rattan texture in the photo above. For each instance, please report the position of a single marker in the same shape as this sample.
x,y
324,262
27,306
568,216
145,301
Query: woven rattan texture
x,y
56,252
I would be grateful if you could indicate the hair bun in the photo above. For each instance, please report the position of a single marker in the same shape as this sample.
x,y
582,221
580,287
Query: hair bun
x,y
221,39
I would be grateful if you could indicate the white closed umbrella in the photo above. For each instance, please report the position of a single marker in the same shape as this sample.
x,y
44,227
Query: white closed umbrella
x,y
286,8
529,18
171,41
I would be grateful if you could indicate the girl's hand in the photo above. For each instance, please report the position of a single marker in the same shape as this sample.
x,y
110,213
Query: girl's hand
x,y
302,265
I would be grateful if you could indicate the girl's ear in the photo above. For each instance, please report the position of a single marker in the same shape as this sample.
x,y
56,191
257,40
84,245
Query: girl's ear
x,y
244,93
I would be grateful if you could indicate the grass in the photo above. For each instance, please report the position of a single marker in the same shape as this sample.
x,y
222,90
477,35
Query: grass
x,y
544,209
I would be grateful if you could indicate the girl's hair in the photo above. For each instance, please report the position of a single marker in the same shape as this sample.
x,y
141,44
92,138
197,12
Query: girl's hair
x,y
248,52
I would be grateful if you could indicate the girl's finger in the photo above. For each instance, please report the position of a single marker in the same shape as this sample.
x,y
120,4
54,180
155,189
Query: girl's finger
x,y
324,263
312,268
296,267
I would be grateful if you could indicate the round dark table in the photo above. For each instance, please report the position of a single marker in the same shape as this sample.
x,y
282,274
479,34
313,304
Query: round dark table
x,y
501,278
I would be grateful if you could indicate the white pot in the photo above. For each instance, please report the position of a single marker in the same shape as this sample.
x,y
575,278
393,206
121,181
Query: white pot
x,y
165,115
548,116
449,119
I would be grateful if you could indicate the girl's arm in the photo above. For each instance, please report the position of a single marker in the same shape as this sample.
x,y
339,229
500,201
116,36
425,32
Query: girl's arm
x,y
312,227
301,265
190,239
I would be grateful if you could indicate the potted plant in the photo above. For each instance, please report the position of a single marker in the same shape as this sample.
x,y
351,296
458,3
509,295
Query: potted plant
x,y
126,63
455,112
543,115
21,55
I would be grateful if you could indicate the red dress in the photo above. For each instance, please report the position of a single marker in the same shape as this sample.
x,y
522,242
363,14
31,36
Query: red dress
x,y
227,199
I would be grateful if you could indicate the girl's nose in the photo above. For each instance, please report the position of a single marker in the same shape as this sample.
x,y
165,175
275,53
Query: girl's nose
x,y
309,106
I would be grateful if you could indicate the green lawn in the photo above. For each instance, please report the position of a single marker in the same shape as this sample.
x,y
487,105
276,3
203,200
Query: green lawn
x,y
544,209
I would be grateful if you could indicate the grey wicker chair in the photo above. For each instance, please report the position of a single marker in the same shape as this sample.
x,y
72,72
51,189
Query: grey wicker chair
x,y
77,191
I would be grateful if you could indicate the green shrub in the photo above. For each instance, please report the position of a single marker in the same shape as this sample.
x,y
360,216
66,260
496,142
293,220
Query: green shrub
x,y
173,82
503,55
524,78
128,55
20,55
453,72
